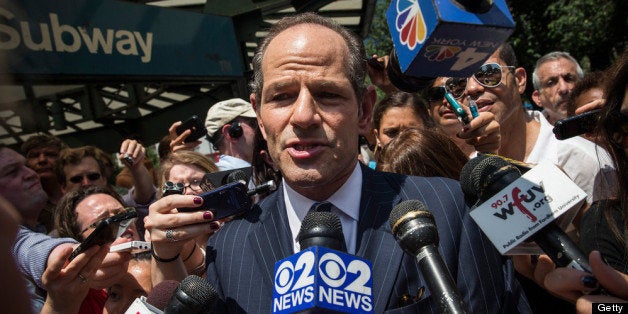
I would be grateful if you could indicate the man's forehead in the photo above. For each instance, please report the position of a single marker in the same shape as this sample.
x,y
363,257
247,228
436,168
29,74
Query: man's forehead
x,y
9,156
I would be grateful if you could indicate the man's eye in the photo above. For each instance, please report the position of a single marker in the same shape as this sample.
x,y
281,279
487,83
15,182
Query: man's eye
x,y
391,133
280,97
550,83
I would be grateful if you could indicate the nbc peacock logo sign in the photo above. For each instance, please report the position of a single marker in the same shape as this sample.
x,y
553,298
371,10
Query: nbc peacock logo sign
x,y
410,23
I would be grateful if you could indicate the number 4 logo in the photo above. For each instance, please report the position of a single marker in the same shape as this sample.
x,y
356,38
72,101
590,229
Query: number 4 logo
x,y
467,58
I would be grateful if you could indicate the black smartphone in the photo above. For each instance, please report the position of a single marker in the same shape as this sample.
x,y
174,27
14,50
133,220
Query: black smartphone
x,y
576,125
375,64
224,201
107,230
195,124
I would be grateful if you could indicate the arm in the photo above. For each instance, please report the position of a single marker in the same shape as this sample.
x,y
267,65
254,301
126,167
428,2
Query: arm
x,y
144,189
32,263
379,76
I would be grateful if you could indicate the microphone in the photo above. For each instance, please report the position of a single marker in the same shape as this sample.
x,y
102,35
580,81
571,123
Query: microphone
x,y
322,229
516,208
235,176
161,293
263,188
415,230
450,38
319,278
193,295
156,300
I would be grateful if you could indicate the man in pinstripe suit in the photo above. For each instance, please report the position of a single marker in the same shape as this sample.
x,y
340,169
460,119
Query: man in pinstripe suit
x,y
311,106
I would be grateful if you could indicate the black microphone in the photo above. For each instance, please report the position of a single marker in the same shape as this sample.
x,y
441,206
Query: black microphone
x,y
262,188
235,176
415,230
490,175
322,278
194,295
322,229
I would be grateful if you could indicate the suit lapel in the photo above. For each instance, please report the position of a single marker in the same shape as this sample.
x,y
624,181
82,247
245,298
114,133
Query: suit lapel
x,y
270,239
377,244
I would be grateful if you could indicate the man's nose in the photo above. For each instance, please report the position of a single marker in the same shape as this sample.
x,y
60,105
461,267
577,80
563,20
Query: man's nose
x,y
305,113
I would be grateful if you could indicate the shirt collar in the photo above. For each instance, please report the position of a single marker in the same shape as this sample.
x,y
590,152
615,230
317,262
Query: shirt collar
x,y
346,199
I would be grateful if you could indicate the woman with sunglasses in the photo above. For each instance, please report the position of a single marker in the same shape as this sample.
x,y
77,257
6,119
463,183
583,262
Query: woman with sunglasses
x,y
77,215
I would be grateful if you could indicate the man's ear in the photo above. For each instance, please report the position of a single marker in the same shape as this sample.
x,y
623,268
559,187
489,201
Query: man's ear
x,y
368,102
536,98
256,107
225,132
521,79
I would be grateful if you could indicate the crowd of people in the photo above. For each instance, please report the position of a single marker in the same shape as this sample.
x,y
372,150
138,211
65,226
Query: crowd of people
x,y
309,107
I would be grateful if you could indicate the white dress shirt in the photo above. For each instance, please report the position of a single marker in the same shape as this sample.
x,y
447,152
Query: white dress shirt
x,y
347,203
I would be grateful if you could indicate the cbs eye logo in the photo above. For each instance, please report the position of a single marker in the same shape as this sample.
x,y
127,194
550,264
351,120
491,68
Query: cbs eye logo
x,y
331,269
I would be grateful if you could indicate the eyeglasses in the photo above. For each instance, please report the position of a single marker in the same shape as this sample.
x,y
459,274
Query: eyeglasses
x,y
92,176
196,186
119,222
489,75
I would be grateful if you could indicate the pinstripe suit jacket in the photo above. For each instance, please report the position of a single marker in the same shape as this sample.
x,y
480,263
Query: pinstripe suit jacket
x,y
241,256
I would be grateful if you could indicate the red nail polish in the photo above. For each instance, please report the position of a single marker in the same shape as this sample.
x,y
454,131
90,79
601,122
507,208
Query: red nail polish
x,y
198,200
208,215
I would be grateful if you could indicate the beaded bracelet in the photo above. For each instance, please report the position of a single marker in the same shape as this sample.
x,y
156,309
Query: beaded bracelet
x,y
163,260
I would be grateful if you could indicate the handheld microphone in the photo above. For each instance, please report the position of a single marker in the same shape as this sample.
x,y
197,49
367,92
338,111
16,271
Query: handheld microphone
x,y
321,279
263,188
193,295
415,230
450,38
156,300
234,176
518,208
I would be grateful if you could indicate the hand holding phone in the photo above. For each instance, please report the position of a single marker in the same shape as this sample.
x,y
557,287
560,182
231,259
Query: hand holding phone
x,y
227,200
576,125
106,231
194,124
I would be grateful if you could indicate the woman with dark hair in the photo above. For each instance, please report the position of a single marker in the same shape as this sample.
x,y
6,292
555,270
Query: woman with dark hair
x,y
396,112
422,152
604,227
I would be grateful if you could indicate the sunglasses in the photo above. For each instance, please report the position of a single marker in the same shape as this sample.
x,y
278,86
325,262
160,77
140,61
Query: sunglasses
x,y
489,75
92,176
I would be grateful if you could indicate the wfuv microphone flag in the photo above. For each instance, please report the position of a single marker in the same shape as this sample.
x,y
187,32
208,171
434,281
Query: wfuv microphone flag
x,y
321,279
450,38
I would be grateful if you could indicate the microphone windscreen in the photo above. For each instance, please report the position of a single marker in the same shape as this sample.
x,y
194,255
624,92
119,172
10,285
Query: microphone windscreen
x,y
235,176
200,290
403,208
321,226
161,293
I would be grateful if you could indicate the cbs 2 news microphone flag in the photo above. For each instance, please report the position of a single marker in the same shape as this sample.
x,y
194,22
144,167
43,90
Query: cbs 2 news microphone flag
x,y
322,278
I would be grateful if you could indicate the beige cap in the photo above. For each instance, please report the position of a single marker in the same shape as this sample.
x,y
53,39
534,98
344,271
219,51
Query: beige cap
x,y
223,112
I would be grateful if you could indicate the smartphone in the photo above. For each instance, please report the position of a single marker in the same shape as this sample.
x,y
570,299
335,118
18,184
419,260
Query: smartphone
x,y
196,125
106,231
131,246
375,64
224,201
576,125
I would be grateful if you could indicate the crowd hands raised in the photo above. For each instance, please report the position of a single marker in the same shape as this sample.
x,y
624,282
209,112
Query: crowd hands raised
x,y
64,191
